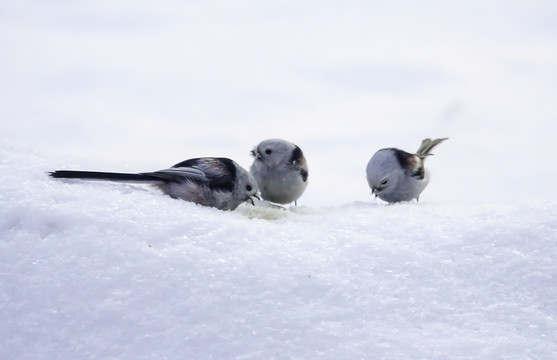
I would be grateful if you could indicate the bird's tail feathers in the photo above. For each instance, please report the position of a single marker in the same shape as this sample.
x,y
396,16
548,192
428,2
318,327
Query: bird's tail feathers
x,y
428,145
106,176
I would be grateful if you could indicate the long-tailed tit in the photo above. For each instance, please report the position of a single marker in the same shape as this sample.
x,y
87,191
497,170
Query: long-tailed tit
x,y
208,181
281,171
395,175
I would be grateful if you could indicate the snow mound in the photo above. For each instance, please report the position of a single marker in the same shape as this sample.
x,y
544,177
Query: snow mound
x,y
110,271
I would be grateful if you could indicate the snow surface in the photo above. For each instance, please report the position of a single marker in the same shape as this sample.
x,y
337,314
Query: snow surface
x,y
107,271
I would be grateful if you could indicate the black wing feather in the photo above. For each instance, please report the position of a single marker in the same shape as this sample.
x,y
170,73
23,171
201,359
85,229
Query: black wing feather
x,y
297,155
409,163
220,173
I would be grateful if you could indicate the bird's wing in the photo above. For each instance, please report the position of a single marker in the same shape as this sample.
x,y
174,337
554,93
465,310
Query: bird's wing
x,y
411,164
179,174
218,173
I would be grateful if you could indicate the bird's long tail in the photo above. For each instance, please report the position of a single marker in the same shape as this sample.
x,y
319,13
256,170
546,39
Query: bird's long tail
x,y
106,176
428,145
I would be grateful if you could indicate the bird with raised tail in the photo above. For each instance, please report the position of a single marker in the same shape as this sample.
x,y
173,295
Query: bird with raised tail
x,y
395,175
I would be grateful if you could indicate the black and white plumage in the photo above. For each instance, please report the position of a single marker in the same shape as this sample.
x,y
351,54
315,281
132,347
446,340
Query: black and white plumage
x,y
395,175
281,171
208,181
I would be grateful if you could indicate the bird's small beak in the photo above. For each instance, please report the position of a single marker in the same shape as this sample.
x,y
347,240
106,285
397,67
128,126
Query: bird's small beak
x,y
374,192
250,199
255,153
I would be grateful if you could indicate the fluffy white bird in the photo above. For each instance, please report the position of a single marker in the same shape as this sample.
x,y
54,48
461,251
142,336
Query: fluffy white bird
x,y
281,171
395,175
208,181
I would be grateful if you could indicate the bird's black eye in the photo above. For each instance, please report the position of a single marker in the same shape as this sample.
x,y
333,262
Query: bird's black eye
x,y
384,182
268,151
249,188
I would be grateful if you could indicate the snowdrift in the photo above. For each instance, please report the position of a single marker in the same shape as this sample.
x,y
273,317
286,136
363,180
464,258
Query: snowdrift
x,y
109,271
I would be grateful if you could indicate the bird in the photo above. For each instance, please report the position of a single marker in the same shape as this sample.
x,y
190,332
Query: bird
x,y
395,175
281,171
209,181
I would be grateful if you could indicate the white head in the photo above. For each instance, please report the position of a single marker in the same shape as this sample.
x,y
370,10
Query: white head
x,y
246,184
383,172
274,152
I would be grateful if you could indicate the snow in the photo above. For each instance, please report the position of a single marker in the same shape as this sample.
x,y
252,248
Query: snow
x,y
110,271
